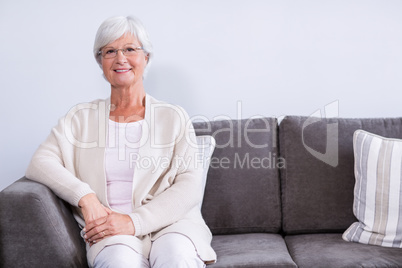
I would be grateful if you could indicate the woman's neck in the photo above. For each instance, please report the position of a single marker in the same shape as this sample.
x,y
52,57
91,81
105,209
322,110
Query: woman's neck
x,y
127,104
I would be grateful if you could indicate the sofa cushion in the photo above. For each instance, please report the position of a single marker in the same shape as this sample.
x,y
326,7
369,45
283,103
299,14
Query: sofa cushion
x,y
318,181
242,192
377,195
331,251
206,146
251,250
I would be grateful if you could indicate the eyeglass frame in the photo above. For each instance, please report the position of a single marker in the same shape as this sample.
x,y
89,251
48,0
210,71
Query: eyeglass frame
x,y
123,50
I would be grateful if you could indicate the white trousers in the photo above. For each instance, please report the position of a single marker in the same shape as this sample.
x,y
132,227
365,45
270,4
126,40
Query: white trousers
x,y
168,251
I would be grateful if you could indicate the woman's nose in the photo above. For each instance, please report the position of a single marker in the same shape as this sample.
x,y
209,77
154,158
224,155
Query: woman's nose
x,y
120,56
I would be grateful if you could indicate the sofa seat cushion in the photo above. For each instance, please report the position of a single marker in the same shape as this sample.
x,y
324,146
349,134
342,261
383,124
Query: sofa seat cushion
x,y
330,250
251,250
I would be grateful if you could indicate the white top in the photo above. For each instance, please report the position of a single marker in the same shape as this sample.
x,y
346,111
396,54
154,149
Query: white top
x,y
120,159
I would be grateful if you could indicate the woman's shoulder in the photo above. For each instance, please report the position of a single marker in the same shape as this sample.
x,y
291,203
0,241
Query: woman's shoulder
x,y
94,104
92,108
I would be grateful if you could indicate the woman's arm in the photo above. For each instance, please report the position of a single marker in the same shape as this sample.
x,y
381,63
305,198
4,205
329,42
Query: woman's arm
x,y
53,165
176,201
92,209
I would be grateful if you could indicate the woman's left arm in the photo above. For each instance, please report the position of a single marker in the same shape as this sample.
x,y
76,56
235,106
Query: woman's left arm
x,y
176,201
163,210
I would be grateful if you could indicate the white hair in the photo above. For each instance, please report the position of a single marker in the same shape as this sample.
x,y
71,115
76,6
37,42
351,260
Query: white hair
x,y
114,28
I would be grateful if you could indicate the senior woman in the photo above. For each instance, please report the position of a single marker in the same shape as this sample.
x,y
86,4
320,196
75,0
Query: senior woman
x,y
127,165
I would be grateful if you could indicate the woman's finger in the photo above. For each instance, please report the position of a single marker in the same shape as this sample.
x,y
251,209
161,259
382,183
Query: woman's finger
x,y
114,224
94,231
88,228
98,237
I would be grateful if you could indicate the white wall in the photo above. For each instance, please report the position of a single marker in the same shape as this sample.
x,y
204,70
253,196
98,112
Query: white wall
x,y
273,58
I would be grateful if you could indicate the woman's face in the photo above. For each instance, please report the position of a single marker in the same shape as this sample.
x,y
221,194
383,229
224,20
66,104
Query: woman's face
x,y
124,71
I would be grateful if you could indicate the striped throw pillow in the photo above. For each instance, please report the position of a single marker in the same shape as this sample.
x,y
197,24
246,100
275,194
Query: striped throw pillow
x,y
378,191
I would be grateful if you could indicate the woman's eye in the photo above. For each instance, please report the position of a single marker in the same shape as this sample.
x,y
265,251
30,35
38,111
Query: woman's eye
x,y
130,49
110,51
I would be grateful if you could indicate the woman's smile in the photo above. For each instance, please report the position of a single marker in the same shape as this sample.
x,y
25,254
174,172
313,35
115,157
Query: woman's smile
x,y
122,70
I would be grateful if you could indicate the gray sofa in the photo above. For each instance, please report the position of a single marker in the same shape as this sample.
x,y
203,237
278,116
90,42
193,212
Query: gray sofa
x,y
272,199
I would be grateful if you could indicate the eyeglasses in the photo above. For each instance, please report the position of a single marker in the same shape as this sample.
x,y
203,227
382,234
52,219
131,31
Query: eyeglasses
x,y
109,53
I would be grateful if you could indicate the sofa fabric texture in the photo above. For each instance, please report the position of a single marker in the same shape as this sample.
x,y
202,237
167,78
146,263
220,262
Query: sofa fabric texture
x,y
25,238
331,251
318,197
251,250
261,213
239,198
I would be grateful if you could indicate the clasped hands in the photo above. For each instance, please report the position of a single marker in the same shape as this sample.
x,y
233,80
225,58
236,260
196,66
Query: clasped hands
x,y
101,222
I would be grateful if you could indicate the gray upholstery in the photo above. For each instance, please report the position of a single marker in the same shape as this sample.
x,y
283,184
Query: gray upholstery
x,y
37,229
330,251
239,198
256,221
317,197
251,250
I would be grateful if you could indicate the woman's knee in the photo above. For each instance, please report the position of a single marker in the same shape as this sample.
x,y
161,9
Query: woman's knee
x,y
120,256
174,250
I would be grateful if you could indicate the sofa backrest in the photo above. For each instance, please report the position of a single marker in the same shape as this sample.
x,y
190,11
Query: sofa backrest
x,y
242,193
318,181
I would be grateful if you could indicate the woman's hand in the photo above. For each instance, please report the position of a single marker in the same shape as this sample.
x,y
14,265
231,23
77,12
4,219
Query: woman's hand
x,y
91,208
112,224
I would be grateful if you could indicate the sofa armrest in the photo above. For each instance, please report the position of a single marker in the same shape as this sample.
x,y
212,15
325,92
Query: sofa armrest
x,y
37,229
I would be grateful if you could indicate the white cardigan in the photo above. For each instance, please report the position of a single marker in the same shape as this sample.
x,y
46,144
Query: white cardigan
x,y
166,184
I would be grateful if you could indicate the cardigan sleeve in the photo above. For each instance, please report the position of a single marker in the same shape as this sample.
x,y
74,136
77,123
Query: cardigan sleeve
x,y
177,200
53,165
